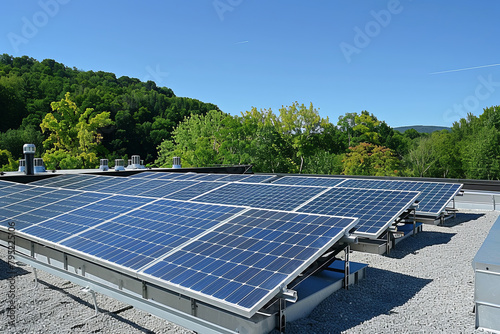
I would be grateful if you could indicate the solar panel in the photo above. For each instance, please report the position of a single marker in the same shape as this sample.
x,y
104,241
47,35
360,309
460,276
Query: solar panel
x,y
32,210
167,188
195,190
140,236
309,181
211,177
60,180
242,263
376,209
434,196
258,178
234,177
146,175
66,225
257,195
168,176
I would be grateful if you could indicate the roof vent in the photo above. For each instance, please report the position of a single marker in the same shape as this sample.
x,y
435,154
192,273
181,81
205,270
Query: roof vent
x,y
29,155
135,163
103,165
177,163
39,166
119,164
22,165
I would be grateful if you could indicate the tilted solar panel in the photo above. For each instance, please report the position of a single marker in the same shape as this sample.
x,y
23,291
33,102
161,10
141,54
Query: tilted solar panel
x,y
146,175
309,181
67,224
234,177
243,262
43,205
258,178
184,176
139,237
60,180
211,177
376,209
434,196
257,195
195,190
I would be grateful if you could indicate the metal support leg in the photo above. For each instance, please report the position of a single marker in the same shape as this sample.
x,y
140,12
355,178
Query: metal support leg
x,y
36,280
347,269
414,222
193,307
282,316
88,289
388,243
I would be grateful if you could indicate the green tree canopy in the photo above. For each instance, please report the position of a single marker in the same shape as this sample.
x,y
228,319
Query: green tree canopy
x,y
74,136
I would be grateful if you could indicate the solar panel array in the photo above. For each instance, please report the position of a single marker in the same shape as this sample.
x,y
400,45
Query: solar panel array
x,y
231,256
372,222
433,199
246,178
225,239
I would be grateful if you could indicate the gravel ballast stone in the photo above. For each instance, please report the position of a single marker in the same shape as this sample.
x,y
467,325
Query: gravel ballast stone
x,y
425,285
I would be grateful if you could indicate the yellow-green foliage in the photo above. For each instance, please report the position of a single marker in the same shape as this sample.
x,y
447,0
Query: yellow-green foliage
x,y
7,163
73,135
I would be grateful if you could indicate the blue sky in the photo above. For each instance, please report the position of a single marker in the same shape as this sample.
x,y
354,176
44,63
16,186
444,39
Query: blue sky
x,y
343,56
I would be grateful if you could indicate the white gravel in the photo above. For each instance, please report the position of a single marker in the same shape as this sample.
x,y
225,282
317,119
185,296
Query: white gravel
x,y
426,285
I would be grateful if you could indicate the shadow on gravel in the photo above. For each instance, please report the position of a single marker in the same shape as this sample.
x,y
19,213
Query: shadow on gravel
x,y
461,218
378,294
6,272
413,244
91,308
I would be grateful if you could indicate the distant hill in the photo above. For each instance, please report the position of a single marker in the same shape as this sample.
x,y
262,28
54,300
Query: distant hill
x,y
422,128
143,113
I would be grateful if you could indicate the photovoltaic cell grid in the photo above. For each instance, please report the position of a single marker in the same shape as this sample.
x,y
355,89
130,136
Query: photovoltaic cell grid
x,y
145,233
376,209
258,178
434,196
62,181
244,261
247,178
66,225
194,190
40,206
263,196
309,181
139,237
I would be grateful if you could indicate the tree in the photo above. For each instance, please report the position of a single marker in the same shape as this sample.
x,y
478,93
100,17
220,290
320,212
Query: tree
x,y
370,159
298,124
7,163
421,157
197,140
481,154
74,136
267,149
446,155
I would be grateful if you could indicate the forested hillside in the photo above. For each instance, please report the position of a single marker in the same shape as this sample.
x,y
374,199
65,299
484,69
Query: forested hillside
x,y
143,114
76,117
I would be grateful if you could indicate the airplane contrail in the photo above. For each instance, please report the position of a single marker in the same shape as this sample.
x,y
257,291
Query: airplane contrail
x,y
242,42
465,69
